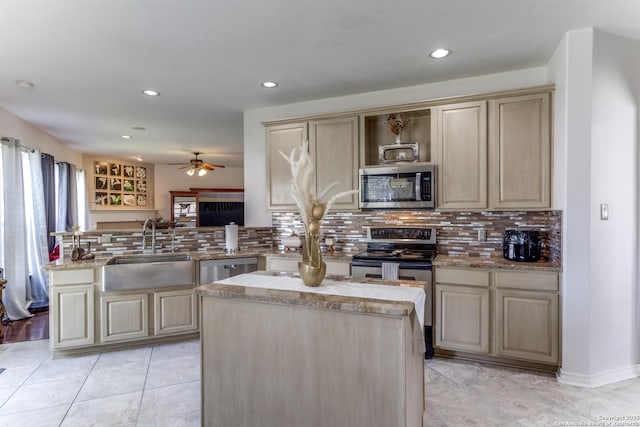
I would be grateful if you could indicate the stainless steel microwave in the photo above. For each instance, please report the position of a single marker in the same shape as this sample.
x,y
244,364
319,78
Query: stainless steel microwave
x,y
401,186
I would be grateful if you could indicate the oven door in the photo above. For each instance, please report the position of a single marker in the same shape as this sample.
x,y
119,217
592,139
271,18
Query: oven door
x,y
404,273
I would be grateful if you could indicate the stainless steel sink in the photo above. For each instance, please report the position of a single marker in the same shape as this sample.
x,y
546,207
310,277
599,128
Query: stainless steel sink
x,y
124,273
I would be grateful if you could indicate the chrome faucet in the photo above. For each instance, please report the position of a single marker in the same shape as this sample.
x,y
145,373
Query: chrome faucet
x,y
153,235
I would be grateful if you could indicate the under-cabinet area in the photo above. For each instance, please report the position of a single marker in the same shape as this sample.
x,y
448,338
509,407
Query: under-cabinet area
x,y
501,314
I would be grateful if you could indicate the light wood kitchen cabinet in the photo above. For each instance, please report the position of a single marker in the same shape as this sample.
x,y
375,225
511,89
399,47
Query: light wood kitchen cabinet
x,y
124,317
72,308
461,155
334,145
289,264
520,152
462,310
522,306
282,138
527,325
175,311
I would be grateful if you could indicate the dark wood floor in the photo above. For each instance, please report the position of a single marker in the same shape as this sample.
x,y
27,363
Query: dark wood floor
x,y
34,328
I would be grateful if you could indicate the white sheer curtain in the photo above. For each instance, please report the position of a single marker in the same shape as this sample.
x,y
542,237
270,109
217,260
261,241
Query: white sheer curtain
x,y
36,222
13,231
62,195
81,199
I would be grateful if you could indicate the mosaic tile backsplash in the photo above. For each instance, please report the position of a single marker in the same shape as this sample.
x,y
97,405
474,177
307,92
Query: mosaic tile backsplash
x,y
106,243
457,232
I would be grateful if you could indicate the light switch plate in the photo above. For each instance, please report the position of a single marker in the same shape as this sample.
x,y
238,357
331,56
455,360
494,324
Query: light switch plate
x,y
604,211
482,235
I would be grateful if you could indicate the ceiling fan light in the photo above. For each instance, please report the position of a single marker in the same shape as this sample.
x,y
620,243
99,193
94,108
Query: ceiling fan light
x,y
191,171
202,172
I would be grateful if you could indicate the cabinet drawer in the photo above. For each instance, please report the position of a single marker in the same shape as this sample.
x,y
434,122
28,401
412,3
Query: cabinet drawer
x,y
283,264
462,277
539,281
72,277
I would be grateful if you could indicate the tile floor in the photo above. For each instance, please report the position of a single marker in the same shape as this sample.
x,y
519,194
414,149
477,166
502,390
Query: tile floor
x,y
160,386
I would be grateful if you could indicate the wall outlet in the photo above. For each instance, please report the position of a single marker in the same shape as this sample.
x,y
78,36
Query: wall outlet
x,y
482,235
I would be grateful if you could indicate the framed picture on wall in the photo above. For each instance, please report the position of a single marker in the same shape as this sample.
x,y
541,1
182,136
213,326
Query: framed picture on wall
x,y
120,185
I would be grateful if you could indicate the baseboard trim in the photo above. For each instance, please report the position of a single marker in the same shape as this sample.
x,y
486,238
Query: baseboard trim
x,y
599,379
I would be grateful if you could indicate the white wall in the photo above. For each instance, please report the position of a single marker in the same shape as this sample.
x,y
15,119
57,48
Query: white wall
x,y
254,133
570,68
596,139
614,173
34,137
171,178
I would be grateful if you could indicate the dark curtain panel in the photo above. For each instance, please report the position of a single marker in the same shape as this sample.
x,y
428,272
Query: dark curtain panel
x,y
72,212
47,163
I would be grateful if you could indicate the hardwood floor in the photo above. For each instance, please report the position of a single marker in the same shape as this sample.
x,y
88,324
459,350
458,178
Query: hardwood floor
x,y
34,328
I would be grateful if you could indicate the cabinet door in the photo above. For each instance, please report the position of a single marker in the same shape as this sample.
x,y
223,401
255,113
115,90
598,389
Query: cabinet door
x,y
282,138
462,318
124,317
175,312
520,152
72,316
527,325
335,149
461,155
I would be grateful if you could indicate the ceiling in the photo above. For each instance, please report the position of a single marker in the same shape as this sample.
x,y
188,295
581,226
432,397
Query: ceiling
x,y
90,60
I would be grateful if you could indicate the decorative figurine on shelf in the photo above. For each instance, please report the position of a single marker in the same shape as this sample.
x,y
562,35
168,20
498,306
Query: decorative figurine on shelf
x,y
312,209
397,125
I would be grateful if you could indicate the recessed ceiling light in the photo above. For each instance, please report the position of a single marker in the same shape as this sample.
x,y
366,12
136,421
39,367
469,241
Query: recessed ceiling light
x,y
440,53
138,128
24,83
269,85
151,92
126,136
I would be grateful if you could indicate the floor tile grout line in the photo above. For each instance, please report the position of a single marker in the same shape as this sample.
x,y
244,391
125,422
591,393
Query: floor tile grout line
x,y
79,390
144,386
22,383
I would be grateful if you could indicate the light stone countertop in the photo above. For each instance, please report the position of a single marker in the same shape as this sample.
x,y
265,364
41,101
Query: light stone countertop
x,y
315,300
67,264
493,263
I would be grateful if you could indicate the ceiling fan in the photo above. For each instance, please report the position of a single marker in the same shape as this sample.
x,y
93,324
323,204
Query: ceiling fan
x,y
197,165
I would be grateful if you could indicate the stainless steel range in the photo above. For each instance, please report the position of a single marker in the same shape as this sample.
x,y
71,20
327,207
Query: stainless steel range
x,y
400,253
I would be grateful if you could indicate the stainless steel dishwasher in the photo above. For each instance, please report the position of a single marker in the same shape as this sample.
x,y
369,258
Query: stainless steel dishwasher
x,y
218,269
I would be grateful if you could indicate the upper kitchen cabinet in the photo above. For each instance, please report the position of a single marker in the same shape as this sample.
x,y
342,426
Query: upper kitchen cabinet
x,y
334,145
520,152
282,138
401,127
461,155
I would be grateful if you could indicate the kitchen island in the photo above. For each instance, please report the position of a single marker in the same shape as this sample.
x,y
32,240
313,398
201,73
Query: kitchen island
x,y
275,352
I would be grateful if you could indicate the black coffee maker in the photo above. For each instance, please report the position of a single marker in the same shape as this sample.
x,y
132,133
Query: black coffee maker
x,y
521,245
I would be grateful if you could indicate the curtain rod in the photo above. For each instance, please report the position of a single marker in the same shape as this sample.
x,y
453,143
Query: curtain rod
x,y
6,140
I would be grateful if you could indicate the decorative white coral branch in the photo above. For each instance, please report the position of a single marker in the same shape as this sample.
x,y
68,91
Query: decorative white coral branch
x,y
312,207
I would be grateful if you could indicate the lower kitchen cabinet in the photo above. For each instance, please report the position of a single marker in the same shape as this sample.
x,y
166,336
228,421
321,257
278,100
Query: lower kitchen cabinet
x,y
462,310
505,314
124,317
289,264
71,307
175,311
527,315
72,316
463,318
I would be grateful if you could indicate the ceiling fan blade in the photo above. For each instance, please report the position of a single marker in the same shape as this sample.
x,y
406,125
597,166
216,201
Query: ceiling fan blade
x,y
185,166
207,167
176,164
213,165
